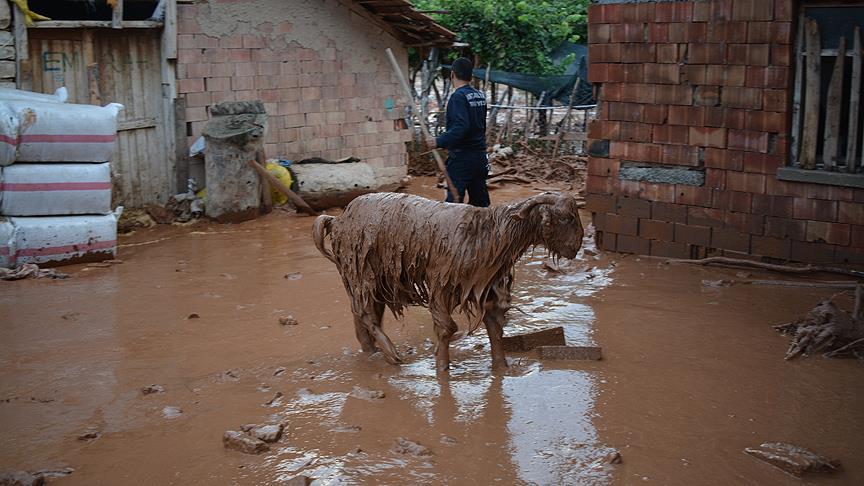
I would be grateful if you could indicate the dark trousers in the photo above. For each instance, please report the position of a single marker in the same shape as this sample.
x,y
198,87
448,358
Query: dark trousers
x,y
469,171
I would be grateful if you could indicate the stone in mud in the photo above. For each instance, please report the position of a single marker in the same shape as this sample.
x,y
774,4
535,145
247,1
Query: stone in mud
x,y
171,412
54,473
288,321
150,389
279,371
20,478
274,402
530,340
89,435
446,439
613,457
346,429
792,459
405,446
570,352
266,433
366,394
298,481
242,442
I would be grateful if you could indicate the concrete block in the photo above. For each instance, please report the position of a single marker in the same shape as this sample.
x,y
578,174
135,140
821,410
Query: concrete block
x,y
531,340
570,352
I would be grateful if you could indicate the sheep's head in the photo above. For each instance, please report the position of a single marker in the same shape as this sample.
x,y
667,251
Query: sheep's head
x,y
557,216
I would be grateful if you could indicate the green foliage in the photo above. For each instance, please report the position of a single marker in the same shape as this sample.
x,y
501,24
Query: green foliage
x,y
513,35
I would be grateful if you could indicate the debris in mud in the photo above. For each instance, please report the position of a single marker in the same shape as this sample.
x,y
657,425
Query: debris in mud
x,y
552,268
104,263
570,352
288,321
792,459
366,394
54,473
446,439
827,329
405,446
151,389
347,429
293,276
90,435
589,252
30,270
613,457
263,388
171,412
193,316
279,371
298,481
71,316
240,441
20,478
266,433
275,401
231,375
527,341
718,283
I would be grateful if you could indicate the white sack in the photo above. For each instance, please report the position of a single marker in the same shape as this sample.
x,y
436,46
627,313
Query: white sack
x,y
10,94
43,239
55,189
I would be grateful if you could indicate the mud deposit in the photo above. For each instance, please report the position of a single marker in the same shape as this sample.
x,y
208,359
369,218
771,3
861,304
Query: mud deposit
x,y
690,377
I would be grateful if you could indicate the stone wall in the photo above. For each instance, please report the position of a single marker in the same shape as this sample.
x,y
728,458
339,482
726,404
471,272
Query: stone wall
x,y
693,123
319,66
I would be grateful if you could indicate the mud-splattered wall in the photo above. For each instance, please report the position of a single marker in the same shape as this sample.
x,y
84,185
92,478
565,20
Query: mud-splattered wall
x,y
695,99
319,66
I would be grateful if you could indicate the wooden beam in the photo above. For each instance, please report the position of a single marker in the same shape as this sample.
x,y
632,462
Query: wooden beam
x,y
117,15
22,49
833,109
169,30
181,151
136,124
92,67
798,88
96,24
810,130
853,150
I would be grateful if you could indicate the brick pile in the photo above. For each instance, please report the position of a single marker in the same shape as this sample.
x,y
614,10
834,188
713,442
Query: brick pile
x,y
317,106
706,84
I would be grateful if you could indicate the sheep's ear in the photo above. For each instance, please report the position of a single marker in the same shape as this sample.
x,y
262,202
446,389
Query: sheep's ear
x,y
530,204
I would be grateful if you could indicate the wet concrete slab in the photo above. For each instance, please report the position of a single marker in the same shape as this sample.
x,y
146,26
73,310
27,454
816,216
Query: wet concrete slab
x,y
690,375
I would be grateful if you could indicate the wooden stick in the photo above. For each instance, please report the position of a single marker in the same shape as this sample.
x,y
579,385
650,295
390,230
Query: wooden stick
x,y
833,109
451,188
297,200
768,266
809,136
852,151
566,115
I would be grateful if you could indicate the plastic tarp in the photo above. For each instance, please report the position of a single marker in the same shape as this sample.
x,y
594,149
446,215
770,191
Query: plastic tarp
x,y
55,189
556,87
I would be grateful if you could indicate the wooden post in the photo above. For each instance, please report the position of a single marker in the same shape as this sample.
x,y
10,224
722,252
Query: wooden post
x,y
506,127
181,153
117,15
451,188
810,130
566,116
833,109
799,88
852,151
92,67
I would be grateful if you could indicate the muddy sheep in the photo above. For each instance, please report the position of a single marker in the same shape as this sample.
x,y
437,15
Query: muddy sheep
x,y
398,250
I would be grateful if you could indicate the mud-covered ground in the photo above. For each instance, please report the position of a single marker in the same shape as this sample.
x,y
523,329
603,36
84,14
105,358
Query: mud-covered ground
x,y
691,374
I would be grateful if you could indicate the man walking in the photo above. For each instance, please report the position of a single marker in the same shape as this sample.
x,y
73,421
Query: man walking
x,y
465,138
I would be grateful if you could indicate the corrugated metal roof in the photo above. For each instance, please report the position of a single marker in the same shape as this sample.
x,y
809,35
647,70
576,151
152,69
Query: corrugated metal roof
x,y
410,26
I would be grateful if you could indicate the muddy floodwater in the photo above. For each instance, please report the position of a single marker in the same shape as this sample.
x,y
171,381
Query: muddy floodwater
x,y
691,374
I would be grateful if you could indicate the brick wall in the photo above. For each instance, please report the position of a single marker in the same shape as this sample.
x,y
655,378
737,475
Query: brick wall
x,y
319,66
706,85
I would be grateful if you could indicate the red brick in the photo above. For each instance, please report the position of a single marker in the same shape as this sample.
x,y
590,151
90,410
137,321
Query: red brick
x,y
746,182
638,52
732,201
724,159
599,53
654,114
667,53
681,155
662,73
763,163
670,134
708,137
608,92
640,93
606,241
706,53
774,32
635,132
781,54
706,96
701,11
748,140
858,236
748,98
744,222
721,10
749,54
822,232
686,115
673,12
784,9
599,203
715,178
771,247
669,249
752,10
670,94
658,32
599,185
629,189
772,205
694,74
641,12
696,32
694,235
655,230
768,77
632,244
604,129
192,85
726,32
632,73
776,100
725,239
628,33
692,195
816,209
803,251
599,72
599,33
789,229
657,192
674,213
765,121
850,212
639,152
603,167
604,14
726,75
731,118
845,254
631,206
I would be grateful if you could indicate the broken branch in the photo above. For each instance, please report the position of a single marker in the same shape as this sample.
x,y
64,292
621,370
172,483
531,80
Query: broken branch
x,y
737,262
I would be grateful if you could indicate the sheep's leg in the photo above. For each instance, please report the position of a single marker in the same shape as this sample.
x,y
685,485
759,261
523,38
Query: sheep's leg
x,y
444,330
367,342
496,306
367,327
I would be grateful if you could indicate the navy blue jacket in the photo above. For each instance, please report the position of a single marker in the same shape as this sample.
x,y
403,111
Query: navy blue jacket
x,y
466,122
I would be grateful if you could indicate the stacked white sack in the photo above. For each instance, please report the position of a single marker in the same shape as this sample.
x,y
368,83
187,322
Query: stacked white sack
x,y
59,238
10,94
55,189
